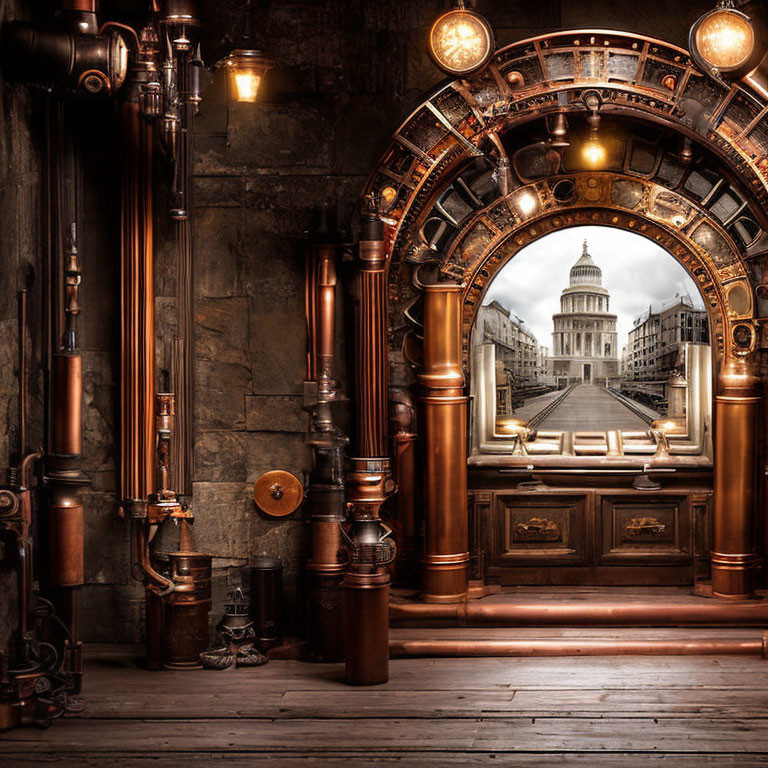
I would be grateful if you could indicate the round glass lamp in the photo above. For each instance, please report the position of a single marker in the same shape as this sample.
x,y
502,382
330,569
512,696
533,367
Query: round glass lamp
x,y
461,41
723,41
245,69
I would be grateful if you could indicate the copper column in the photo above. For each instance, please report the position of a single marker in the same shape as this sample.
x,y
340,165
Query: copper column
x,y
444,425
63,475
369,480
325,569
736,409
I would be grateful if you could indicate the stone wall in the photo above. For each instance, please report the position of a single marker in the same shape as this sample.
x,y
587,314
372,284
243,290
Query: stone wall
x,y
349,71
20,248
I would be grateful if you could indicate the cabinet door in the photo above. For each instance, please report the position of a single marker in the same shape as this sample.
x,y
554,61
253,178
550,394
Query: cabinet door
x,y
637,530
541,530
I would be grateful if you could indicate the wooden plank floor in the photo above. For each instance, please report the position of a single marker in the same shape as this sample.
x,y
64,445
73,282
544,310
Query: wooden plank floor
x,y
604,711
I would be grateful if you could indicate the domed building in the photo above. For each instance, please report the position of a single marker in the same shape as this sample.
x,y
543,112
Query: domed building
x,y
584,340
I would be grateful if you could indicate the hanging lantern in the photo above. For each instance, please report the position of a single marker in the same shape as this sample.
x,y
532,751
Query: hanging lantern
x,y
461,41
245,68
723,41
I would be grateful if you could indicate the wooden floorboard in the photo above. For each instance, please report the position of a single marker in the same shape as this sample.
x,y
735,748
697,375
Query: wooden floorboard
x,y
619,711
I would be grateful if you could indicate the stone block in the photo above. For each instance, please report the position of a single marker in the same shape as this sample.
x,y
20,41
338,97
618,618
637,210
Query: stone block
x,y
223,518
280,135
217,191
221,389
210,154
107,540
267,451
275,413
221,331
220,457
218,252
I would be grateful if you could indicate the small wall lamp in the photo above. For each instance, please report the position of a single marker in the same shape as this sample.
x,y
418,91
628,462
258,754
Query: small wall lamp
x,y
245,68
245,65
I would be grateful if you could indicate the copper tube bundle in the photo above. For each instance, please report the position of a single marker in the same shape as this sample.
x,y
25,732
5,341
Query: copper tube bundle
x,y
369,479
444,415
138,319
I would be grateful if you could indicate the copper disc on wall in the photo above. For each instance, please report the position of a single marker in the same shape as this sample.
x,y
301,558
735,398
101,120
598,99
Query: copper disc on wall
x,y
278,493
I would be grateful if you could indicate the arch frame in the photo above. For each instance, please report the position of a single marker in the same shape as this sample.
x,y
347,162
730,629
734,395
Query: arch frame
x,y
467,121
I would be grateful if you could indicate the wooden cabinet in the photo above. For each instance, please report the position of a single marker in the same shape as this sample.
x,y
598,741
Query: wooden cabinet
x,y
550,536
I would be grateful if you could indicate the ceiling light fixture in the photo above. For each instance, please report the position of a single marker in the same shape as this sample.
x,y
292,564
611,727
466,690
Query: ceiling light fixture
x,y
593,151
461,41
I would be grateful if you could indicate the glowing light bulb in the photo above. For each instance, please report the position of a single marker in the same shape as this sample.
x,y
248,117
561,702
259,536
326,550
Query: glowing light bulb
x,y
723,39
246,85
594,152
246,68
388,195
527,203
461,41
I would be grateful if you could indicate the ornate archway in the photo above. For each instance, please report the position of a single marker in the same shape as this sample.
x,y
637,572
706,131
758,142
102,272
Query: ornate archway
x,y
473,175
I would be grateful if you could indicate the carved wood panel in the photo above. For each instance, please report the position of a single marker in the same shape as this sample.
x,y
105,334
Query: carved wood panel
x,y
592,536
645,529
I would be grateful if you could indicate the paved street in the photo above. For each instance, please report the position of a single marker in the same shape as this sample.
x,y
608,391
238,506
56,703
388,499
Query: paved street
x,y
591,407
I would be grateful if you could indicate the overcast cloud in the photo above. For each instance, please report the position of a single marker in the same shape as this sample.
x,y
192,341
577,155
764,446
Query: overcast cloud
x,y
636,272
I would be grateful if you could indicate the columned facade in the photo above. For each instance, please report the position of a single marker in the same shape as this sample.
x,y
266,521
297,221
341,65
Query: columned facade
x,y
584,340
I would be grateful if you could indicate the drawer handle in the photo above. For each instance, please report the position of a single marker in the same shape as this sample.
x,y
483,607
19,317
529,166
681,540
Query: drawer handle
x,y
644,528
538,529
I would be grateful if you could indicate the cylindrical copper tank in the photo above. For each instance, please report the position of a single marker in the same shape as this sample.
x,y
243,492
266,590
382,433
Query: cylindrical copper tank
x,y
444,426
736,408
186,610
366,628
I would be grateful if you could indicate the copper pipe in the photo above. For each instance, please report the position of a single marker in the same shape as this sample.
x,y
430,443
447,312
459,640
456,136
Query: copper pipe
x,y
404,449
369,481
86,6
326,306
576,647
68,396
325,568
444,425
137,326
25,548
736,407
654,613
22,372
371,342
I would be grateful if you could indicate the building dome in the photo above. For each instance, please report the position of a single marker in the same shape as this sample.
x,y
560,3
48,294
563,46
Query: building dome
x,y
585,271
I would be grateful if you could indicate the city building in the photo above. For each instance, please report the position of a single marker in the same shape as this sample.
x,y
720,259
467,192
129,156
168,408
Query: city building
x,y
656,339
584,341
520,360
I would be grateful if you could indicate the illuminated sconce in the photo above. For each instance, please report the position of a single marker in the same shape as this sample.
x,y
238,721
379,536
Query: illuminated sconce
x,y
722,41
461,41
593,151
245,68
245,65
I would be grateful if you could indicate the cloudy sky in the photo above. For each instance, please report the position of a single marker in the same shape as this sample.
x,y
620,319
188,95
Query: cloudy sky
x,y
636,272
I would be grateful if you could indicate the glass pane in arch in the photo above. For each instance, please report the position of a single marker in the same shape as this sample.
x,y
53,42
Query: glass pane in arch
x,y
592,342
